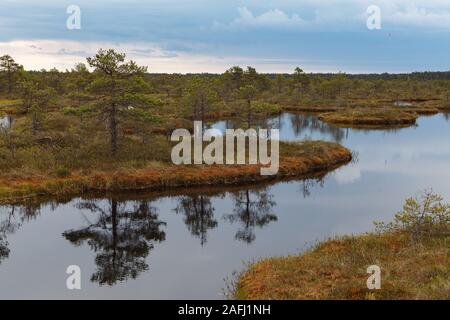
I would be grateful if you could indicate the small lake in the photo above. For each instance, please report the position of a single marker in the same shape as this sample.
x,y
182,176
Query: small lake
x,y
183,246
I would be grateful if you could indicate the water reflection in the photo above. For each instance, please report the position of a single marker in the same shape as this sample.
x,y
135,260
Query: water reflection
x,y
306,185
11,219
6,122
348,174
121,237
258,123
4,250
292,127
122,232
198,215
252,208
305,124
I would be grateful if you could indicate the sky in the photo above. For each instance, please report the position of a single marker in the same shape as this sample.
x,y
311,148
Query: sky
x,y
190,36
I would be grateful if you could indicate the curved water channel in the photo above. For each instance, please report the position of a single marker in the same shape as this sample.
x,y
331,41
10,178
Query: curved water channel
x,y
184,245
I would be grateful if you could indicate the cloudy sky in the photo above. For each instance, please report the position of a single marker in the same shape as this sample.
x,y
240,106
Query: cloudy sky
x,y
212,35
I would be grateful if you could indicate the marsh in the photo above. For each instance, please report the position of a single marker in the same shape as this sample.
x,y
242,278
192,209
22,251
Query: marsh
x,y
183,245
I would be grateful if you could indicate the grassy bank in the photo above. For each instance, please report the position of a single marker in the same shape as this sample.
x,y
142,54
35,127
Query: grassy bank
x,y
413,254
296,159
370,117
444,108
336,269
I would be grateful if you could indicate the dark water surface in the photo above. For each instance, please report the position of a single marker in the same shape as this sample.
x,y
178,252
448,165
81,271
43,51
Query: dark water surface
x,y
183,246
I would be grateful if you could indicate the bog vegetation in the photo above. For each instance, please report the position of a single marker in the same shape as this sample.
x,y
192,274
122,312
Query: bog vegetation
x,y
373,117
110,114
412,251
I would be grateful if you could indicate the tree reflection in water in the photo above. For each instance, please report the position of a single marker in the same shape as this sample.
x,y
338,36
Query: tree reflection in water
x,y
122,233
303,122
307,184
257,123
12,218
198,215
122,238
4,250
252,208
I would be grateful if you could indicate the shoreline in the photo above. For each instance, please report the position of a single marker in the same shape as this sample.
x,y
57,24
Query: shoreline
x,y
304,163
336,269
135,195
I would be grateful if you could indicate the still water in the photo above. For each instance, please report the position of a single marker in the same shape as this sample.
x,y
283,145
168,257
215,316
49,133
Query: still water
x,y
184,245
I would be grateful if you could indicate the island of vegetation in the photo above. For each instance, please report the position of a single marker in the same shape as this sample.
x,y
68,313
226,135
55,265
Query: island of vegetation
x,y
365,117
297,160
412,252
104,130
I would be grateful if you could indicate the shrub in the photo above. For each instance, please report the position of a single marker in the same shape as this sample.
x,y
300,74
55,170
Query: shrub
x,y
424,216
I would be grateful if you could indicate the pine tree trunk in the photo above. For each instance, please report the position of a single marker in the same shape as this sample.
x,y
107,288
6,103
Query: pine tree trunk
x,y
9,83
249,119
34,122
113,129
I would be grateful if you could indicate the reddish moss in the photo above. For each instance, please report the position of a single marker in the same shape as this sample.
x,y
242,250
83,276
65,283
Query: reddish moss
x,y
296,160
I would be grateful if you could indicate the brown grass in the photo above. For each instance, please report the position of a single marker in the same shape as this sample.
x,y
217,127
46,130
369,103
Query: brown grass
x,y
421,110
336,269
370,117
296,159
10,106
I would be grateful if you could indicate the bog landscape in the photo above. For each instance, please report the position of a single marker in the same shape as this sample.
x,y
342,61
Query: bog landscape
x,y
94,174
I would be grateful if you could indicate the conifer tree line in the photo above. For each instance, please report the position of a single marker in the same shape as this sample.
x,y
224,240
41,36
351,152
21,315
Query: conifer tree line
x,y
122,95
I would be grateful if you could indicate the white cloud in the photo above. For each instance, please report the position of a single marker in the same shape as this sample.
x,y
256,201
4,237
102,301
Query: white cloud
x,y
272,18
348,174
421,16
343,14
